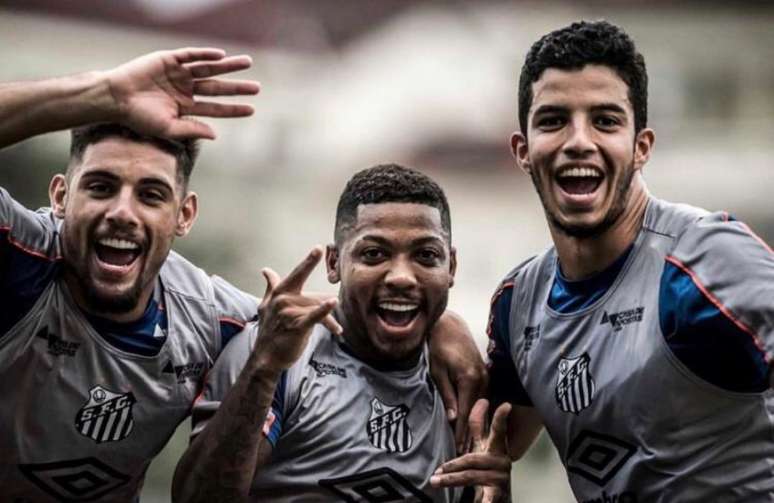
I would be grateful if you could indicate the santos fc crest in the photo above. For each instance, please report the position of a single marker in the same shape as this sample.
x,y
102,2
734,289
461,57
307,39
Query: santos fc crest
x,y
387,427
106,416
575,386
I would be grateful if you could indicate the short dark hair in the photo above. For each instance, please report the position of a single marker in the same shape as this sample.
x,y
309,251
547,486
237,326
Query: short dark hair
x,y
389,183
587,43
184,151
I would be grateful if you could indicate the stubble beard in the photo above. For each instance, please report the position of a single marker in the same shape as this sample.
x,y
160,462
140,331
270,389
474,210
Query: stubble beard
x,y
621,196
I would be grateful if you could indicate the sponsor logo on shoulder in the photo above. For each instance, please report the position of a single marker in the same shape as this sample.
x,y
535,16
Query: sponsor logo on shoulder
x,y
106,416
575,385
621,318
388,428
186,371
323,369
56,345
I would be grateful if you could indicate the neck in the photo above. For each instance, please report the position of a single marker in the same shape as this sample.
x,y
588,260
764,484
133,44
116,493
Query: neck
x,y
83,302
584,257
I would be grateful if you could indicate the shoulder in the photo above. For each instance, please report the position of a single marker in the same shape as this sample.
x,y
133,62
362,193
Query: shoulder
x,y
34,233
182,278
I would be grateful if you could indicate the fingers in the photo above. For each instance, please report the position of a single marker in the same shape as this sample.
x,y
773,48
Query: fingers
x,y
499,433
272,280
225,87
294,281
189,54
320,313
331,324
468,392
446,389
206,69
189,128
477,422
212,109
480,468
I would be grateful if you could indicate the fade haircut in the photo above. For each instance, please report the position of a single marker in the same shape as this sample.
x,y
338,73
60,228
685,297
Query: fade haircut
x,y
184,151
587,43
389,183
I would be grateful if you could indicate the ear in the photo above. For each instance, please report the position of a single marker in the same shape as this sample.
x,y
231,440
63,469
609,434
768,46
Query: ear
x,y
332,263
57,195
520,152
452,265
643,145
186,216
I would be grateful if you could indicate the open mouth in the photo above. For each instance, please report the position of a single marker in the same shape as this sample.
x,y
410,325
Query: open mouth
x,y
397,314
580,181
117,252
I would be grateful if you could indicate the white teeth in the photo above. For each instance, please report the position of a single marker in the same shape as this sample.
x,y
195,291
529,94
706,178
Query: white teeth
x,y
580,172
391,306
120,244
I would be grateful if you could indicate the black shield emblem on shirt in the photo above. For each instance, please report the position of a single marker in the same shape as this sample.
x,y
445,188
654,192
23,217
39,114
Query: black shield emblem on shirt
x,y
387,427
106,416
575,386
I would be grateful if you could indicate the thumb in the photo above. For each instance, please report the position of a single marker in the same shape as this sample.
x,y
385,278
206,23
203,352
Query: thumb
x,y
477,423
446,389
272,278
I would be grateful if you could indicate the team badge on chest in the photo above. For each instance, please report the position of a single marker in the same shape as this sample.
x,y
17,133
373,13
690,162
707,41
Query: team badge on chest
x,y
387,427
106,416
575,386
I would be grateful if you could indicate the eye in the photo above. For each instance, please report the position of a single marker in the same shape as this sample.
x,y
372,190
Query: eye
x,y
153,196
373,255
606,121
429,256
99,189
550,122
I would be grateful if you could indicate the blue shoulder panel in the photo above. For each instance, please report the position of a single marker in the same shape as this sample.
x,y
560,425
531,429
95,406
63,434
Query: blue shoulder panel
x,y
504,382
705,340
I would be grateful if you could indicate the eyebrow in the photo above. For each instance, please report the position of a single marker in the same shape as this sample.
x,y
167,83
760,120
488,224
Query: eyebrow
x,y
100,173
416,242
602,107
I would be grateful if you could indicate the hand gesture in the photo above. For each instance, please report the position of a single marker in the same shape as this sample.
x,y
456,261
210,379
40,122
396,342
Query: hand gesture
x,y
488,466
154,94
286,315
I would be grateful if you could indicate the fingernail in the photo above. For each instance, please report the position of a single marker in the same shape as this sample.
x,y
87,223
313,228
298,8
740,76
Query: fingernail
x,y
438,471
435,480
452,414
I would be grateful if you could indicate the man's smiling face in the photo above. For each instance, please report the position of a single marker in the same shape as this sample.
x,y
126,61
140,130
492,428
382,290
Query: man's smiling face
x,y
122,206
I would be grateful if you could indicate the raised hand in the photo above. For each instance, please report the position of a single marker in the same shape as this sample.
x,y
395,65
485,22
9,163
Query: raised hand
x,y
286,315
488,466
155,94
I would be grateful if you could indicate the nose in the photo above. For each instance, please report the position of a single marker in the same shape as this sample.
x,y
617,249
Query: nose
x,y
401,274
580,141
122,211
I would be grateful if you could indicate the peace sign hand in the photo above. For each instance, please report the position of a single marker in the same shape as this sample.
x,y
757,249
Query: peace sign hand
x,y
287,316
488,466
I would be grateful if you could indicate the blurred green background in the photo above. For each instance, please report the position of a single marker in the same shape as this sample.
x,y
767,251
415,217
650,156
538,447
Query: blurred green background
x,y
432,85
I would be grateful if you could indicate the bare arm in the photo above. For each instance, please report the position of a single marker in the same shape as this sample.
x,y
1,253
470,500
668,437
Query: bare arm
x,y
153,94
220,463
457,369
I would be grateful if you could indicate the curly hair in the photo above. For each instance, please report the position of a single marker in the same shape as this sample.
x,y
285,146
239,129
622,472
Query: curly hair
x,y
184,151
587,43
389,183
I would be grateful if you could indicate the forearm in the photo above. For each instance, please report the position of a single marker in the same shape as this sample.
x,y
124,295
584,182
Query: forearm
x,y
31,108
220,463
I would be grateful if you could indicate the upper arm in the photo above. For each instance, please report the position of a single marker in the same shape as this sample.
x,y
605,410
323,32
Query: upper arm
x,y
715,304
504,382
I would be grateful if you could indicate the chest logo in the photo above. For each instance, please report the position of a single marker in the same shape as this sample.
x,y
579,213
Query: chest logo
x,y
106,416
621,318
323,369
387,427
575,385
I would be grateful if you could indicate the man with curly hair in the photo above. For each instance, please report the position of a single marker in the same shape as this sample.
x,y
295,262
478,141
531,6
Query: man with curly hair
x,y
641,340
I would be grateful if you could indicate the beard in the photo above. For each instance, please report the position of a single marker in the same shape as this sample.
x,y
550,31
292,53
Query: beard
x,y
97,301
620,197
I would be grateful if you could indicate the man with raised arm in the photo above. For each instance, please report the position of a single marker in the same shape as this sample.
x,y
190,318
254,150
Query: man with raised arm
x,y
105,334
641,340
295,411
